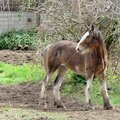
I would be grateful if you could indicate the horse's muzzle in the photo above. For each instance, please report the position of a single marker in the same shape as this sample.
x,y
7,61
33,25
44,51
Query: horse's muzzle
x,y
77,49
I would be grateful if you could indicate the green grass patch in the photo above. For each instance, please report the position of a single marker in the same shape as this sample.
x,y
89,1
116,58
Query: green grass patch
x,y
10,113
15,74
75,85
114,93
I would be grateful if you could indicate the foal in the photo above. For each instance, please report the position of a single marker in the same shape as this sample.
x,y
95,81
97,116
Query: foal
x,y
89,56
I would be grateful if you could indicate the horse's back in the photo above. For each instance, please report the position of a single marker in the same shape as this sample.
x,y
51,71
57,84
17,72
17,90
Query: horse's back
x,y
63,52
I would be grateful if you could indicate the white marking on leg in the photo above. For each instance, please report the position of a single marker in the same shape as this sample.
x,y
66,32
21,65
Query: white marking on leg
x,y
88,90
107,103
103,88
56,89
43,89
60,75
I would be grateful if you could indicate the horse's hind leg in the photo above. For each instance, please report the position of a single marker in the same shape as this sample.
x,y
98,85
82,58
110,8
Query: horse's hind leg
x,y
57,83
43,90
104,93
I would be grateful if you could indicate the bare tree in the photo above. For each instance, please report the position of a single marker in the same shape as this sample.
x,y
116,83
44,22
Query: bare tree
x,y
69,19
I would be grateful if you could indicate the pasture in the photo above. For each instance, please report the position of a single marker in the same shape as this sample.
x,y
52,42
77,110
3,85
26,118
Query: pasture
x,y
60,60
20,87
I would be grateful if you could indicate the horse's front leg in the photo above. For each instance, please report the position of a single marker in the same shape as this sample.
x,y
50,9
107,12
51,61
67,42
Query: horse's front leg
x,y
88,104
104,93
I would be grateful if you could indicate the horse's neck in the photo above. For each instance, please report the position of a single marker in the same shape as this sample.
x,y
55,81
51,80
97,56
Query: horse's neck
x,y
101,52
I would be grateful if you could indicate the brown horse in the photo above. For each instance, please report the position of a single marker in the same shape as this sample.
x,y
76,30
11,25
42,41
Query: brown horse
x,y
89,56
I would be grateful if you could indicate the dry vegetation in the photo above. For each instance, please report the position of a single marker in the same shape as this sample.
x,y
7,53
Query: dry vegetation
x,y
60,19
70,19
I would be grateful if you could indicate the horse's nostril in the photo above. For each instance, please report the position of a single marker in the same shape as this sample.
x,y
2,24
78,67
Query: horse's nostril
x,y
77,49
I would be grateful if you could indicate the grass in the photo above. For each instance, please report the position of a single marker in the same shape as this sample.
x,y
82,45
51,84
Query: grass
x,y
15,74
113,83
114,94
78,91
10,113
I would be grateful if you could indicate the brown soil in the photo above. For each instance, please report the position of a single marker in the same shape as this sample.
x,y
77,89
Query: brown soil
x,y
27,95
17,57
44,118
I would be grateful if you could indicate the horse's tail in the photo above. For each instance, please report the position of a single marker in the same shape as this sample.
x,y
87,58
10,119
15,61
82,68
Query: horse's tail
x,y
45,57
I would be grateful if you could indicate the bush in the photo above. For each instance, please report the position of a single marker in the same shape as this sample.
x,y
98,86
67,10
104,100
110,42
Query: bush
x,y
78,79
15,39
74,83
74,79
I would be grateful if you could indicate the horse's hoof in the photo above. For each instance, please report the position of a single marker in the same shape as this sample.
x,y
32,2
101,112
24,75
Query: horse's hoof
x,y
110,107
43,106
88,107
59,104
43,103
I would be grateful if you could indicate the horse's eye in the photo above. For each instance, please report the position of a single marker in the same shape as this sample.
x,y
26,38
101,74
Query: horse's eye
x,y
87,36
94,41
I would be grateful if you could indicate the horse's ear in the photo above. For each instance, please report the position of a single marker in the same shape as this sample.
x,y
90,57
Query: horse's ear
x,y
92,27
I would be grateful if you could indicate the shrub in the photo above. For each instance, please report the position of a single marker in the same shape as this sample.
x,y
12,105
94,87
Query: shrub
x,y
74,83
15,39
78,79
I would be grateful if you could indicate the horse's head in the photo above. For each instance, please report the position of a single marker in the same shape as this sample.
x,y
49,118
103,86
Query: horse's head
x,y
88,41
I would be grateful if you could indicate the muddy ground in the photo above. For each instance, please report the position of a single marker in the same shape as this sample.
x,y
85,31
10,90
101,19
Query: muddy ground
x,y
27,95
17,57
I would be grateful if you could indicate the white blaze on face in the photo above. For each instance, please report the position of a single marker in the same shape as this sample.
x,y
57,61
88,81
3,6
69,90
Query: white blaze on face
x,y
82,39
84,36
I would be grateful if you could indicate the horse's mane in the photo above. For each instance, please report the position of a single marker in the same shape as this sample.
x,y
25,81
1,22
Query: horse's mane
x,y
99,37
102,48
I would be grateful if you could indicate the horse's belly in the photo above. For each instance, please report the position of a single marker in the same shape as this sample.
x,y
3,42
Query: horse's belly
x,y
76,68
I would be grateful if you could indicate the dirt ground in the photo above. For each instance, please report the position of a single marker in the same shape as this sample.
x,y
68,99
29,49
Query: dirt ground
x,y
17,57
27,95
